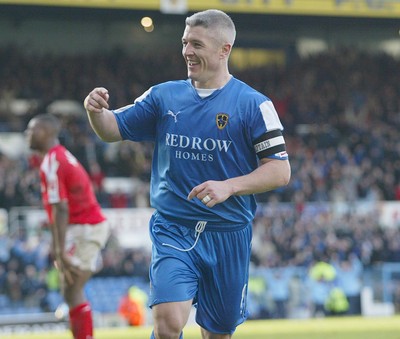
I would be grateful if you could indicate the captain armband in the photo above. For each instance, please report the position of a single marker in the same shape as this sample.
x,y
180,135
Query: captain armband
x,y
270,144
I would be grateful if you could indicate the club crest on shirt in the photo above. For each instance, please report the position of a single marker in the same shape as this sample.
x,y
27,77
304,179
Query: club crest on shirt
x,y
222,120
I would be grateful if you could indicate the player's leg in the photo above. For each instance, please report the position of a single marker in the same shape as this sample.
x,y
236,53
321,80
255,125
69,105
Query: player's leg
x,y
80,312
83,244
74,294
222,295
173,278
170,319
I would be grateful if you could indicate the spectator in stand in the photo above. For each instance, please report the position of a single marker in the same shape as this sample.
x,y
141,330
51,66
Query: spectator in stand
x,y
119,199
97,178
349,280
3,278
13,287
132,306
320,284
78,226
32,284
278,283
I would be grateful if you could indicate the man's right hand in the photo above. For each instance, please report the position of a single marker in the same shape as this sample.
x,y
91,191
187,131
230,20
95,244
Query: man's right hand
x,y
101,118
96,100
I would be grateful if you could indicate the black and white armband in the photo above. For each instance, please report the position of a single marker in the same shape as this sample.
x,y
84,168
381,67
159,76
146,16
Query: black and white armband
x,y
270,144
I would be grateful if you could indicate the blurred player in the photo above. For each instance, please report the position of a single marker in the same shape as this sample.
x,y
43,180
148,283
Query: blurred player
x,y
79,229
217,143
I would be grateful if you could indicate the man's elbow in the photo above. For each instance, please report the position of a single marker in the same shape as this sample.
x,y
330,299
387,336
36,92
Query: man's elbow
x,y
285,174
286,179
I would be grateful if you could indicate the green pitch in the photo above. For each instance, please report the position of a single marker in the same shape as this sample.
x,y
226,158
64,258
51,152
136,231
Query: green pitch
x,y
325,328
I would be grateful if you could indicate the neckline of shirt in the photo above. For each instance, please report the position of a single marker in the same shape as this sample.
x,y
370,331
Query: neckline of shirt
x,y
205,92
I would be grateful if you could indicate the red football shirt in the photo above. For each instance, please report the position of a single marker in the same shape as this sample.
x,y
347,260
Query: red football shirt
x,y
63,178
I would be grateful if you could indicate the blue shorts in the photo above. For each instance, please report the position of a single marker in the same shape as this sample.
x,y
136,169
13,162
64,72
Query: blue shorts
x,y
214,273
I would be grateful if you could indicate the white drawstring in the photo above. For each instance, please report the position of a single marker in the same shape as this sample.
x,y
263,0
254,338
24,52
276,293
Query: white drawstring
x,y
200,226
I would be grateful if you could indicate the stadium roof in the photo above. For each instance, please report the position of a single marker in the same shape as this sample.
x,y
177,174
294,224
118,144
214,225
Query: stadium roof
x,y
348,8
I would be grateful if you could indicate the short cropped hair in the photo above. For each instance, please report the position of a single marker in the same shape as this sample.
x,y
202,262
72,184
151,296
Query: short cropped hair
x,y
217,20
49,120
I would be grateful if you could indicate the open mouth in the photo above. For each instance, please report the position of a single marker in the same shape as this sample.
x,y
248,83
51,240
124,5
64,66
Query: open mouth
x,y
192,63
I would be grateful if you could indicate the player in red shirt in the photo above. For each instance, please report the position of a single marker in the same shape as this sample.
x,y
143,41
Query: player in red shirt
x,y
79,228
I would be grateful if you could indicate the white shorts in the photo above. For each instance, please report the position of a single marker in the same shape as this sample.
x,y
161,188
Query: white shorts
x,y
83,245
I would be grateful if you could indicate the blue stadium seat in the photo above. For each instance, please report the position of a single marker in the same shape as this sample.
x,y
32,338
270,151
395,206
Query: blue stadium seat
x,y
4,301
105,293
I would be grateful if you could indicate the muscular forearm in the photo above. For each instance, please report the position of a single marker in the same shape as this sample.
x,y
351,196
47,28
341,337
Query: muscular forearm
x,y
104,125
100,117
269,176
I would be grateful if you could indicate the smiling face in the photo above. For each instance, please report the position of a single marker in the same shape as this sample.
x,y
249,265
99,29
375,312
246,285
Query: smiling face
x,y
206,57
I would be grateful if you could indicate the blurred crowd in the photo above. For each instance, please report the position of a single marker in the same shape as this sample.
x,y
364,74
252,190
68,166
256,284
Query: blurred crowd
x,y
29,280
341,112
289,237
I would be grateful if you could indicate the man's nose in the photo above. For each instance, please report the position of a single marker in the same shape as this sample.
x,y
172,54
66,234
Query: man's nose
x,y
188,50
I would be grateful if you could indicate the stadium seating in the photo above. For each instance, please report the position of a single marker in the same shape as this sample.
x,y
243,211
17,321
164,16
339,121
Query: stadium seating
x,y
105,293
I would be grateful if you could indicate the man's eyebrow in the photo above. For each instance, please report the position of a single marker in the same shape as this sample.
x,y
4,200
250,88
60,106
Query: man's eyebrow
x,y
197,41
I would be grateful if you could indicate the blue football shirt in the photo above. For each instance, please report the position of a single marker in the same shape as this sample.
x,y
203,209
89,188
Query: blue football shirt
x,y
198,139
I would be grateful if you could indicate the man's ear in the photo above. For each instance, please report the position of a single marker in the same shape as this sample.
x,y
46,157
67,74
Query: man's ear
x,y
225,51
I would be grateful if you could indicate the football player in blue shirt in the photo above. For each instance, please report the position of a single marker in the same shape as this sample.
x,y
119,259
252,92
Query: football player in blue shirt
x,y
217,143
